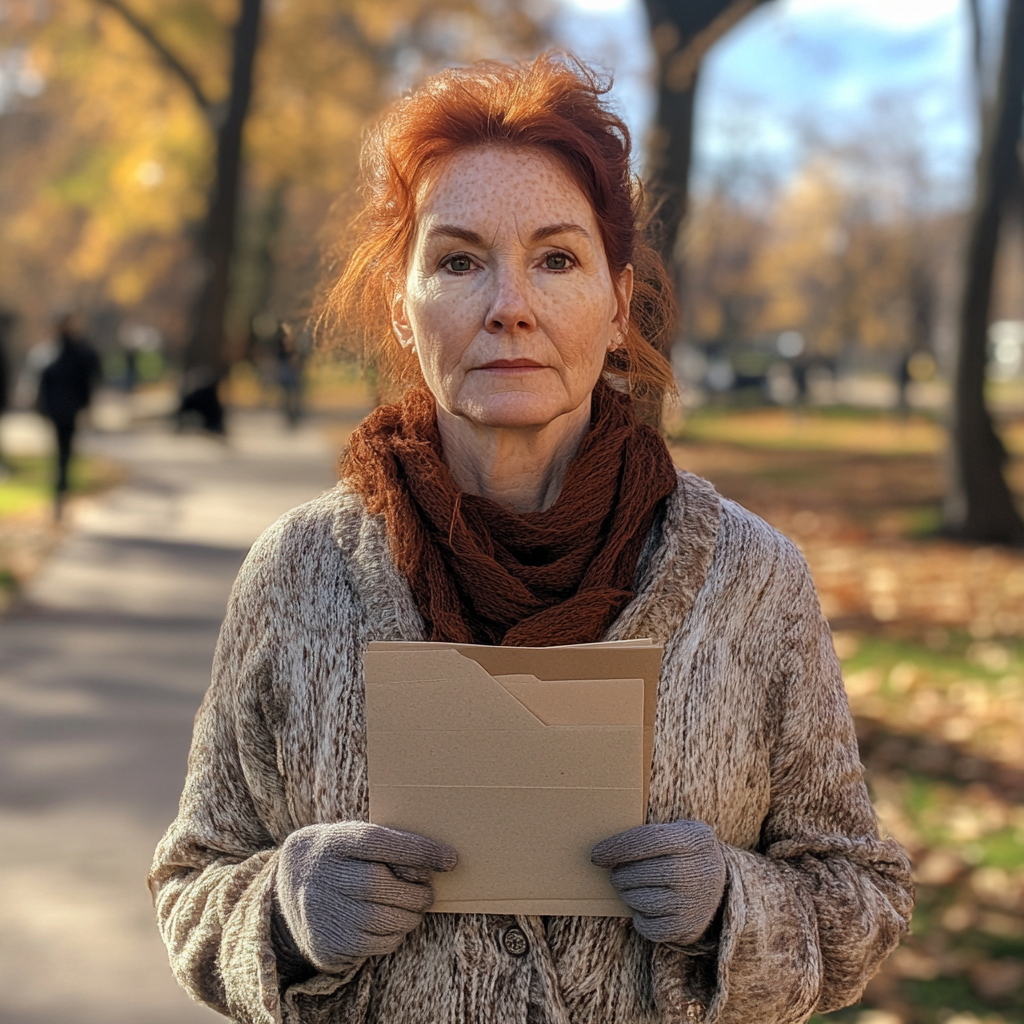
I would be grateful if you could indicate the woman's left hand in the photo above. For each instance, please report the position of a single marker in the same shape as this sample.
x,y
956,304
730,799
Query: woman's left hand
x,y
672,876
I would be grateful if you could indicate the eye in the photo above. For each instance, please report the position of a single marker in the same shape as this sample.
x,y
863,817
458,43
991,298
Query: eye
x,y
460,263
557,261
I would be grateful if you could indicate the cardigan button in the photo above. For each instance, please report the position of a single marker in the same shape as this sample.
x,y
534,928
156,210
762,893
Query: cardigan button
x,y
515,942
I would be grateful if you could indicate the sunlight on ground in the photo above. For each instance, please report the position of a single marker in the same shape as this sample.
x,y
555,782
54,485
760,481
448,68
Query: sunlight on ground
x,y
815,430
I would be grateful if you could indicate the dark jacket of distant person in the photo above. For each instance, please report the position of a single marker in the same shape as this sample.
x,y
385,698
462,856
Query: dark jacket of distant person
x,y
6,325
67,384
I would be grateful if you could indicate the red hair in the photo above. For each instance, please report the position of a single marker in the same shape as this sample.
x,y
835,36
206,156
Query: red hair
x,y
552,103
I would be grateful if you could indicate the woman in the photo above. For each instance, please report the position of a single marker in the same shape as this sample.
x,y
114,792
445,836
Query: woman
x,y
511,497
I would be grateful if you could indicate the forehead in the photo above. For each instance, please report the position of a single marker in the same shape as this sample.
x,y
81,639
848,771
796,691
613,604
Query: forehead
x,y
489,185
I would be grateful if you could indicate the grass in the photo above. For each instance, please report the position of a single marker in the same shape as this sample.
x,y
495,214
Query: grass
x,y
28,532
29,486
832,430
827,429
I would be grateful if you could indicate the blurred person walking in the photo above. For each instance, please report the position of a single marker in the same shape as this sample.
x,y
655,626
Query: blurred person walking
x,y
289,361
6,324
66,387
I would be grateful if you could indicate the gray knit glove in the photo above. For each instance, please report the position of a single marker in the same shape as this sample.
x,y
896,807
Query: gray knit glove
x,y
350,890
672,876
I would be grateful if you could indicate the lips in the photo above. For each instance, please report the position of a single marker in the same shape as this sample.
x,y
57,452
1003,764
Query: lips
x,y
512,364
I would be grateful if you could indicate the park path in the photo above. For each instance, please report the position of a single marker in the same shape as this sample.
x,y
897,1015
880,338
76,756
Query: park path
x,y
101,671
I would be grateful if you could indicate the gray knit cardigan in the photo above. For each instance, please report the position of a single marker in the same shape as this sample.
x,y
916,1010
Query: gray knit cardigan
x,y
753,737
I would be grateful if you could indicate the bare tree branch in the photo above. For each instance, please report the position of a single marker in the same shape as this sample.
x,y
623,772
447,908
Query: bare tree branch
x,y
681,68
977,49
163,52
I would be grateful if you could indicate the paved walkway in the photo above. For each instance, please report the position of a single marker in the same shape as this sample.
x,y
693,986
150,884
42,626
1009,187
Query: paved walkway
x,y
101,673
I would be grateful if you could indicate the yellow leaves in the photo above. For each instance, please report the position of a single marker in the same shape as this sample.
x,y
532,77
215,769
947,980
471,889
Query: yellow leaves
x,y
104,189
721,242
31,231
95,249
124,163
313,135
833,270
197,33
130,282
823,257
147,189
319,78
380,23
128,271
860,685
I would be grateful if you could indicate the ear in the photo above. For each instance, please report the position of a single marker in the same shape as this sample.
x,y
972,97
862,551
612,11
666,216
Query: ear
x,y
400,323
623,295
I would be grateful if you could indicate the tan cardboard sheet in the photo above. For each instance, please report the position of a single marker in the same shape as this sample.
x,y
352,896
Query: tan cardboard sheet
x,y
521,758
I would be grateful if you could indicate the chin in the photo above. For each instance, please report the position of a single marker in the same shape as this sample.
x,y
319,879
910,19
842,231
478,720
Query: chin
x,y
515,410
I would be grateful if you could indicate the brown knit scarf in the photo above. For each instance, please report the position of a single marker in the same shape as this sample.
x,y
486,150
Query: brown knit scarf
x,y
482,573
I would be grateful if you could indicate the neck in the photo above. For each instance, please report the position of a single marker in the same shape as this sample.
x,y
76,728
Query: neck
x,y
521,468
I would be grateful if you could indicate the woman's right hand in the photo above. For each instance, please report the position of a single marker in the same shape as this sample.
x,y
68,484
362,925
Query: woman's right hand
x,y
350,890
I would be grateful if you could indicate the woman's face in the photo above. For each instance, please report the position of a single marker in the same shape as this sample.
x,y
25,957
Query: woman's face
x,y
509,302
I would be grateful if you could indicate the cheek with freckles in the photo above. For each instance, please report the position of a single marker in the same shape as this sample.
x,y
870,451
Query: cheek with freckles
x,y
445,328
577,319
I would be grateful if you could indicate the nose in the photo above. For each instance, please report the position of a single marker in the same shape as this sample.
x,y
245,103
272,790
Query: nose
x,y
510,309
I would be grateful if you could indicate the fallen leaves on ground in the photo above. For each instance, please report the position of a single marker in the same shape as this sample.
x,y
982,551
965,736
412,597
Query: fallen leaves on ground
x,y
929,632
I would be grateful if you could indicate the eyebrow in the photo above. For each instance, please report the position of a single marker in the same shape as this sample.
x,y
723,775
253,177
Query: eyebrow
x,y
454,231
559,229
472,238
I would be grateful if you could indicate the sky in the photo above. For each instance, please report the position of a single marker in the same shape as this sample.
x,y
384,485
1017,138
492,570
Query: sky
x,y
798,67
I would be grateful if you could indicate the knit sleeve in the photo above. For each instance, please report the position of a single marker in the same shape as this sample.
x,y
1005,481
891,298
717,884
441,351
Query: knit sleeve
x,y
809,916
213,872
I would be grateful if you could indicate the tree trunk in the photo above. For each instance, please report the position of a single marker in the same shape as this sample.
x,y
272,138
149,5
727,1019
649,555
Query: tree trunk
x,y
204,353
979,505
682,31
671,153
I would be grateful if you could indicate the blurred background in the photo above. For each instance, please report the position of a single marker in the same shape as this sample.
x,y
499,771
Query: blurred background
x,y
841,200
